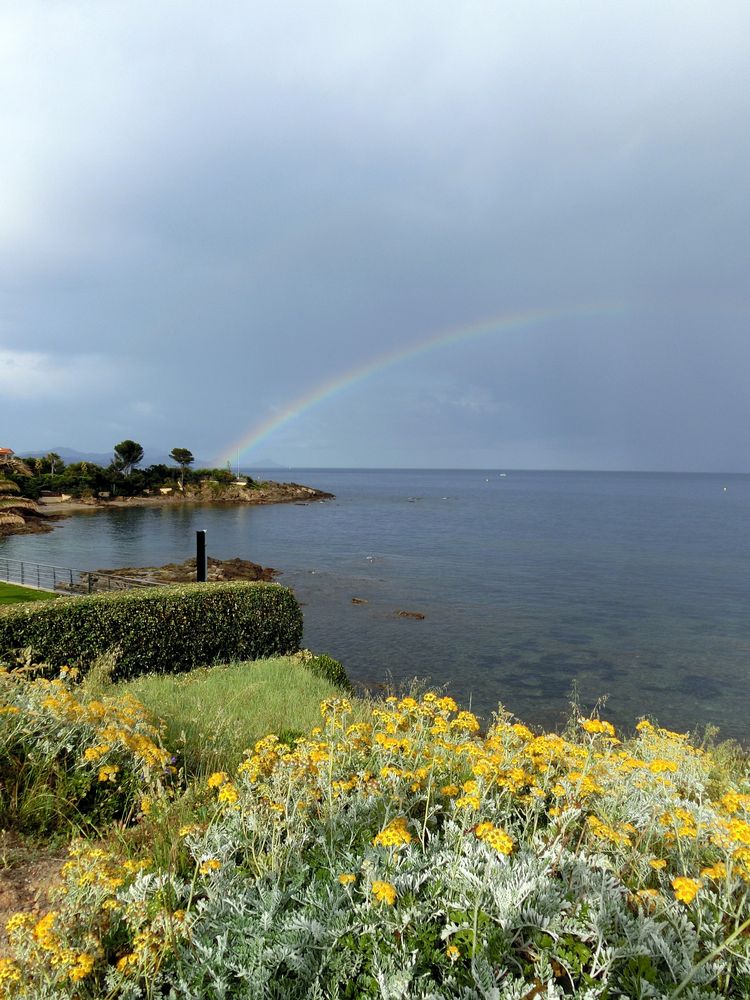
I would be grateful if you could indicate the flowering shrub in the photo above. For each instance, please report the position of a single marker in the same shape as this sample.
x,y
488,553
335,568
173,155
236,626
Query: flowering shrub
x,y
65,759
410,856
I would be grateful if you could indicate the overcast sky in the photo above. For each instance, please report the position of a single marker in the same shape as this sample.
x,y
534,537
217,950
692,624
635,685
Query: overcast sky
x,y
211,210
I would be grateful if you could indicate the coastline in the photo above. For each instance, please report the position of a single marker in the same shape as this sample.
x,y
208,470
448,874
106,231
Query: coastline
x,y
49,511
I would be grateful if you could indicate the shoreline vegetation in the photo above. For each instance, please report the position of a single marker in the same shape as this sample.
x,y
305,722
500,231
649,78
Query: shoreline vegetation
x,y
35,492
41,517
264,492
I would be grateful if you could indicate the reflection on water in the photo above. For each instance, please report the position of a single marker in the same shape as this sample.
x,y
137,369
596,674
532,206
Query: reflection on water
x,y
630,586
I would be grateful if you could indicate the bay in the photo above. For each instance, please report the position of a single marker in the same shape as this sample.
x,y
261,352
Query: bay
x,y
629,586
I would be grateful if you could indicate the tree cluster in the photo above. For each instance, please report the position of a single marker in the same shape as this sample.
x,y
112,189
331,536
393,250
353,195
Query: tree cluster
x,y
121,477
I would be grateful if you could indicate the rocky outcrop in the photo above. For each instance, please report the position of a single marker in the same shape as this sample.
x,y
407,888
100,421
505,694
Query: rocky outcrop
x,y
218,570
19,515
260,493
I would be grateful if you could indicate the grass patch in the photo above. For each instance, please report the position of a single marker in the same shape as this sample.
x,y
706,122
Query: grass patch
x,y
212,715
11,594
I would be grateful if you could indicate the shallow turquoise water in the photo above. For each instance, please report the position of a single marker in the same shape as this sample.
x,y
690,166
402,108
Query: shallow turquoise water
x,y
630,586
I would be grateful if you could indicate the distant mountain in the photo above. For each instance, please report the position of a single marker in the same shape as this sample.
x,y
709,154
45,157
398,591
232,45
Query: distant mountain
x,y
70,455
151,456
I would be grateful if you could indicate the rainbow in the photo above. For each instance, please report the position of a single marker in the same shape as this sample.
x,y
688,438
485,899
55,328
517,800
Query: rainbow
x,y
259,432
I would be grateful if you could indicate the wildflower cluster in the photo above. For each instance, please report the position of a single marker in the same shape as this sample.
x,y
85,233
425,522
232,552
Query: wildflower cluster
x,y
63,755
98,921
411,855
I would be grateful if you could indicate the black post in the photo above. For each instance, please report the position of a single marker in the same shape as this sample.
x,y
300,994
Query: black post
x,y
201,562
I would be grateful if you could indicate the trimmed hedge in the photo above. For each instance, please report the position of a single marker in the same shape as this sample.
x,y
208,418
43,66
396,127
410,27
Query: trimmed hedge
x,y
160,629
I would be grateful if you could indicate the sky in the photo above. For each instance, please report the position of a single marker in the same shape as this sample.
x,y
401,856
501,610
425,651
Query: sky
x,y
379,234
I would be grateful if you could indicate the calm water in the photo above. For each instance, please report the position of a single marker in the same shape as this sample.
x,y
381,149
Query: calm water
x,y
633,586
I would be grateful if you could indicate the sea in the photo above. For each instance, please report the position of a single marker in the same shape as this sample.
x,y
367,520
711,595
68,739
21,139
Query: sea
x,y
626,592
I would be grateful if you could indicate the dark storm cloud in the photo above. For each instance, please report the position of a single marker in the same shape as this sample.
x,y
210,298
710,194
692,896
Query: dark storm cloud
x,y
238,205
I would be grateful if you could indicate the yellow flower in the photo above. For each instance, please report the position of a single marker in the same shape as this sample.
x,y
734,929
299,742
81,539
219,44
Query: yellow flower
x,y
18,922
740,831
466,721
43,932
605,832
496,838
407,705
732,802
133,866
467,802
394,835
717,871
597,726
447,705
584,784
127,961
217,779
211,865
685,889
658,863
83,966
108,772
384,892
450,790
347,878
9,972
523,731
228,794
453,953
659,765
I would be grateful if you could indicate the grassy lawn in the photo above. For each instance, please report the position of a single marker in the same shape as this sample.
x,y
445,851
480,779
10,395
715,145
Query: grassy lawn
x,y
213,714
11,594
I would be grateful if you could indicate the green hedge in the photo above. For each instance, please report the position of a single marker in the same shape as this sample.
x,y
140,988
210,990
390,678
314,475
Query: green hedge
x,y
323,665
159,629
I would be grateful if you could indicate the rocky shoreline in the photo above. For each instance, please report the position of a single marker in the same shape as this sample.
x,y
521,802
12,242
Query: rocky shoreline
x,y
46,512
184,572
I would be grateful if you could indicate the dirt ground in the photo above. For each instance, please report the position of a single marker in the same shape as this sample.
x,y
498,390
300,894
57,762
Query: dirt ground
x,y
28,871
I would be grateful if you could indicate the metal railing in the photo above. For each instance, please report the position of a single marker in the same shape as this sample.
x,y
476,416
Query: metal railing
x,y
65,580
